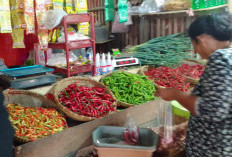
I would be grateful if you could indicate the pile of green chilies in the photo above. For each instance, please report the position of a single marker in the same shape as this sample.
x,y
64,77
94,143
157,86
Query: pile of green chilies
x,y
130,88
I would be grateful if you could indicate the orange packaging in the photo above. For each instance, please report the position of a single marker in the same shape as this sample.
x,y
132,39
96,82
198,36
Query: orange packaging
x,y
29,15
43,35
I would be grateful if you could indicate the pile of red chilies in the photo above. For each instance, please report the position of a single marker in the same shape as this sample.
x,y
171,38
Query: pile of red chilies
x,y
193,71
87,101
174,78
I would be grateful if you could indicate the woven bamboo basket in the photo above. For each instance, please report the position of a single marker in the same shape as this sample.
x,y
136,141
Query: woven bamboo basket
x,y
121,103
82,81
193,81
146,68
26,99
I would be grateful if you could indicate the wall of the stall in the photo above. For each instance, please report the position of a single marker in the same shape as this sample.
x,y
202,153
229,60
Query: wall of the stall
x,y
13,57
144,28
147,27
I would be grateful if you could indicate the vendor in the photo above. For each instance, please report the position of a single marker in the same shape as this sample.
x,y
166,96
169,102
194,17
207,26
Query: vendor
x,y
6,130
210,126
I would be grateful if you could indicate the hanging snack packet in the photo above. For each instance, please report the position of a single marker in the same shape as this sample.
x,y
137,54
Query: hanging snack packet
x,y
109,10
58,4
18,38
17,14
40,9
83,28
48,4
42,30
17,5
69,7
81,6
29,15
5,17
43,39
18,21
122,11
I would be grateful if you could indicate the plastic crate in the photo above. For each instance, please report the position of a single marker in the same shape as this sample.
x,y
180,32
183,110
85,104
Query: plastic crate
x,y
114,148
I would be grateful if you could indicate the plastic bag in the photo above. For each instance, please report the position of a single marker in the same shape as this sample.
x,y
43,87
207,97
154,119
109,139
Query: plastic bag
x,y
109,10
122,11
131,132
171,137
129,21
132,9
59,59
72,35
148,6
119,27
52,18
160,4
173,5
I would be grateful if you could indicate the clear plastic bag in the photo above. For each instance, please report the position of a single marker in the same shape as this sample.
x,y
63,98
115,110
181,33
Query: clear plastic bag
x,y
148,6
171,136
132,9
59,59
160,4
119,27
52,18
131,132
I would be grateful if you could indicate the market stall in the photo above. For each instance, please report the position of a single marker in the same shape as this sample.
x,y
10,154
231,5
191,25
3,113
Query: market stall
x,y
80,87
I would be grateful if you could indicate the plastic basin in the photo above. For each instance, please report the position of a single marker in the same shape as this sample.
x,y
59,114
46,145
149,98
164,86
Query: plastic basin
x,y
113,147
179,110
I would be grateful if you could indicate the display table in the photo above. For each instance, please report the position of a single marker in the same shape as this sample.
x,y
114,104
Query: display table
x,y
45,89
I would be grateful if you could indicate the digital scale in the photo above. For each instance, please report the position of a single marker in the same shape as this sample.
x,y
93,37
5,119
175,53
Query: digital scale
x,y
26,77
125,59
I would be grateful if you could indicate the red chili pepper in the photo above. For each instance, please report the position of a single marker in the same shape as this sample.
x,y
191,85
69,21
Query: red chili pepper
x,y
87,101
164,76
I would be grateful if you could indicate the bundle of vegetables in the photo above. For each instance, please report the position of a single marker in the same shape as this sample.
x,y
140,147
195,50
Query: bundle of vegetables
x,y
31,123
166,51
130,88
87,101
193,71
175,78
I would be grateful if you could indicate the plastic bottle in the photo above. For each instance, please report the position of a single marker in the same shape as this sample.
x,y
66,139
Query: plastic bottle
x,y
103,65
89,55
113,64
109,63
83,54
98,68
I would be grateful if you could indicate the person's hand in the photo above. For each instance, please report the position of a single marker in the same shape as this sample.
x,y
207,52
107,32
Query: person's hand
x,y
167,94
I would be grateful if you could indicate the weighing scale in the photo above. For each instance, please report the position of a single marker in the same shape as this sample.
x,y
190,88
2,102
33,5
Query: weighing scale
x,y
125,59
26,77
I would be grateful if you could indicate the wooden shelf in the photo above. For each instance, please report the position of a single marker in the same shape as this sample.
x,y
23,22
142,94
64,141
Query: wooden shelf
x,y
106,41
180,11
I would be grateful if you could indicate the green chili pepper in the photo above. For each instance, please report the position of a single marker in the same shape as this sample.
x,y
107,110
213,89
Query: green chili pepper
x,y
130,88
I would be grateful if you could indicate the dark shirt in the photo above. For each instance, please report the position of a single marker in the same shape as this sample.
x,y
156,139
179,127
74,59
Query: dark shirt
x,y
210,130
6,131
